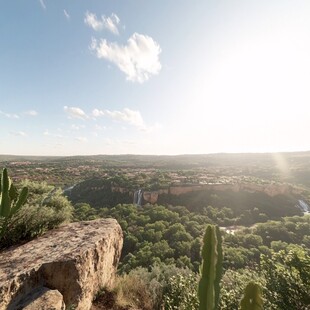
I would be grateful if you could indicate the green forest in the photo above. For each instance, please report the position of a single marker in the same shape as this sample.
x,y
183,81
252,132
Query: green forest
x,y
264,240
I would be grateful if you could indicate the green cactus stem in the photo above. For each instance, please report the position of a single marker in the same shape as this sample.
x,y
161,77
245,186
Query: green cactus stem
x,y
211,269
10,200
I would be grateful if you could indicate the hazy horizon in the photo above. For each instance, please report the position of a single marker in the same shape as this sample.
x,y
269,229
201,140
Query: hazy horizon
x,y
154,77
169,155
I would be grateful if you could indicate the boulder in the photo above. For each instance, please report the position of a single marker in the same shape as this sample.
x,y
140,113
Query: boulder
x,y
76,259
41,298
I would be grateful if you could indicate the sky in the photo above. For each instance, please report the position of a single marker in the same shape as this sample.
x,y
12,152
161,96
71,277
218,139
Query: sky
x,y
154,77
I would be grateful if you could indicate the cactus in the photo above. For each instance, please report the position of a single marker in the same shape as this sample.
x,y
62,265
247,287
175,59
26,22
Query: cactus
x,y
10,200
252,299
211,269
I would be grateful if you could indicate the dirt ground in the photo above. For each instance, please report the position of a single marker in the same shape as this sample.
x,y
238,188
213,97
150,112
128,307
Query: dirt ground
x,y
106,301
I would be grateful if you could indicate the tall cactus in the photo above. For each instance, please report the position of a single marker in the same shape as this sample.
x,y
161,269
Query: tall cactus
x,y
10,200
252,299
211,269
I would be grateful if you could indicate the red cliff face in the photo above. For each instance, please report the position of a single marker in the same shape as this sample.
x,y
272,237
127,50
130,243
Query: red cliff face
x,y
150,197
269,189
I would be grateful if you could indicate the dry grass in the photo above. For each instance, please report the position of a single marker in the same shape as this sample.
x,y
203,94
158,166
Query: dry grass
x,y
130,292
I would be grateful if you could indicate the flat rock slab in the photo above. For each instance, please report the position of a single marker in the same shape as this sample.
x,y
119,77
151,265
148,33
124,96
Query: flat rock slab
x,y
40,299
77,260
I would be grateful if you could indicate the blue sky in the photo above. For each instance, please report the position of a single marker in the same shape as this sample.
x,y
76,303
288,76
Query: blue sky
x,y
154,77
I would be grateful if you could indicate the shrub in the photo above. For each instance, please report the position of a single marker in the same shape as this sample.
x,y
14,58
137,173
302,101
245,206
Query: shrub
x,y
47,208
287,275
157,289
132,290
159,281
233,285
181,293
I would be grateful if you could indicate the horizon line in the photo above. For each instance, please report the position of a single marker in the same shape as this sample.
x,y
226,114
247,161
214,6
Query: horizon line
x,y
158,155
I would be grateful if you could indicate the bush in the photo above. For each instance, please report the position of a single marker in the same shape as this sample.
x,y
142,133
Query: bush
x,y
45,210
132,290
181,293
233,285
159,281
155,289
287,275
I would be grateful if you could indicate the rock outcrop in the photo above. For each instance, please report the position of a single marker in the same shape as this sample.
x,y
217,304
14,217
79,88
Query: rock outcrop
x,y
41,298
176,190
77,260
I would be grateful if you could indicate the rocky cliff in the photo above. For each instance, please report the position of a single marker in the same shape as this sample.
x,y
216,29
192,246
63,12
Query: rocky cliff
x,y
72,262
269,189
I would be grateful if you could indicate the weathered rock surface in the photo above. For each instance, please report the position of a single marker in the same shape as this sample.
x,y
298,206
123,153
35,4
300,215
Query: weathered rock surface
x,y
40,299
77,260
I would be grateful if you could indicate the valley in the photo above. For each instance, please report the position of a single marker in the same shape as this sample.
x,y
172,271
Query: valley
x,y
163,204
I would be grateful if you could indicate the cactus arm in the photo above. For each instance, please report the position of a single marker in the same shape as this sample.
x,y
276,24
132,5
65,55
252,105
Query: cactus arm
x,y
219,266
207,276
8,195
203,283
252,299
5,197
211,270
20,201
13,192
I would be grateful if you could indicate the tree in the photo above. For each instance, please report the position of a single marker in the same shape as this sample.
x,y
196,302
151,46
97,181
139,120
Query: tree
x,y
287,276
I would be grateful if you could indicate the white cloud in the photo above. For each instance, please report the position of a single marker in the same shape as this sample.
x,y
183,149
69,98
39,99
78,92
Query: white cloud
x,y
47,133
97,113
31,113
110,23
66,15
18,133
75,112
81,139
138,59
42,4
9,115
128,116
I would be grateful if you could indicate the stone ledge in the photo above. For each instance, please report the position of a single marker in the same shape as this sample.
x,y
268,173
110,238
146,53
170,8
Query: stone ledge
x,y
76,259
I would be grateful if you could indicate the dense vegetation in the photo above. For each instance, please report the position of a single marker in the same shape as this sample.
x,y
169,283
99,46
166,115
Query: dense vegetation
x,y
45,208
140,170
265,239
158,236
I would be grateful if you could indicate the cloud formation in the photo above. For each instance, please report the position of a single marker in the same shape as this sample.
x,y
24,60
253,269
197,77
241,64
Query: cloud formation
x,y
97,113
138,59
18,133
125,116
42,4
74,112
9,115
128,116
110,23
31,113
47,133
66,15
